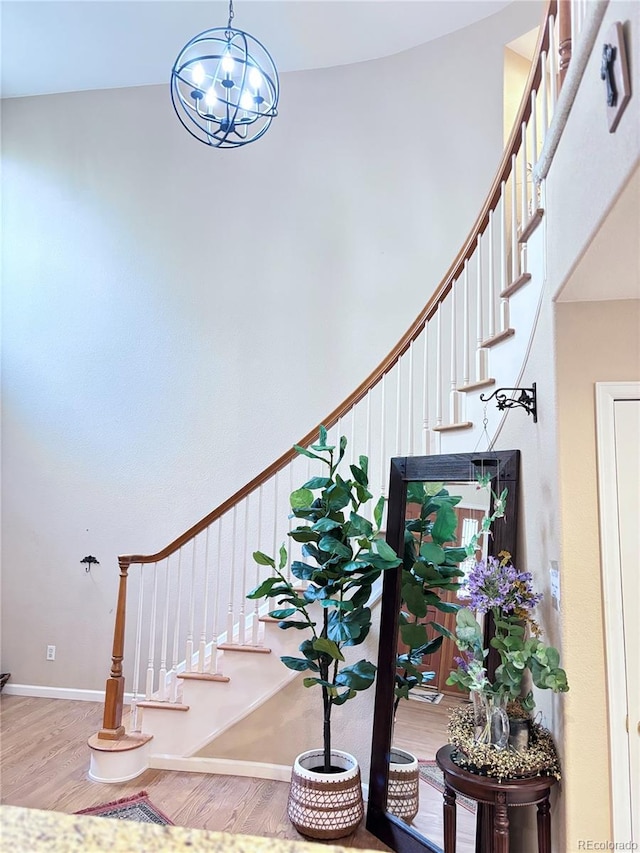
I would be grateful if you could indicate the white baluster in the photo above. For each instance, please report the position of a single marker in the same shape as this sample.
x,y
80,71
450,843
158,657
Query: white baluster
x,y
136,660
176,632
367,443
466,331
202,648
515,272
438,366
553,64
455,415
398,404
242,630
192,606
534,140
152,635
256,606
213,662
482,354
383,461
162,679
523,176
410,449
352,455
544,82
275,517
232,581
491,284
425,391
504,303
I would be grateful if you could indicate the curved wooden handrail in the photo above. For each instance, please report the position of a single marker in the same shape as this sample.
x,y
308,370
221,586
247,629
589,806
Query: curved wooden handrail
x,y
454,272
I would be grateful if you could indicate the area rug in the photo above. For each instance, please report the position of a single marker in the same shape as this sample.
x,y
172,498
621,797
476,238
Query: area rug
x,y
424,696
431,773
138,807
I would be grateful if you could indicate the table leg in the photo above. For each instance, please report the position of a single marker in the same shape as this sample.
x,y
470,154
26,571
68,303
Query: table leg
x,y
449,814
484,828
544,826
501,824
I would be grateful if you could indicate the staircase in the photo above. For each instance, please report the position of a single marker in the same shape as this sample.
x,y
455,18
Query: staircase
x,y
199,656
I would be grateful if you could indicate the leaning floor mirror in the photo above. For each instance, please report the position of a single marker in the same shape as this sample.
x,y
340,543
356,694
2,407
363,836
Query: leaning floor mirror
x,y
437,505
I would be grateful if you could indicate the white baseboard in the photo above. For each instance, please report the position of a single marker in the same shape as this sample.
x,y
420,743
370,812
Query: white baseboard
x,y
59,692
228,767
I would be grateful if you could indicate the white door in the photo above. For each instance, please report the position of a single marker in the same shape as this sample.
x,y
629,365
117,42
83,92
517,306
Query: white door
x,y
618,428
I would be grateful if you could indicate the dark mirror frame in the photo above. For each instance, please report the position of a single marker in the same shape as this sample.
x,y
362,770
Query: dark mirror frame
x,y
456,467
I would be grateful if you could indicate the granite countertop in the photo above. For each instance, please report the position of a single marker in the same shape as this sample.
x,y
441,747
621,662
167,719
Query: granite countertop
x,y
35,831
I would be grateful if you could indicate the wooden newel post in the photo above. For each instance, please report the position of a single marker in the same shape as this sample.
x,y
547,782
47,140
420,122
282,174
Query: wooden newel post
x,y
564,39
112,727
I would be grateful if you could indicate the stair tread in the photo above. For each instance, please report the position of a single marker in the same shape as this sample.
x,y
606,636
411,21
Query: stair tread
x,y
240,647
448,427
131,740
534,220
472,386
204,676
515,285
166,706
497,339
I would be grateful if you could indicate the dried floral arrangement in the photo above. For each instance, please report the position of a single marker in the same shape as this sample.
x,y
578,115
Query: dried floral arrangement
x,y
539,759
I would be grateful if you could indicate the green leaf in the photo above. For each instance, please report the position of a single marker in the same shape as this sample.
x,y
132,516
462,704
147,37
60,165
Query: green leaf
x,y
316,483
282,613
358,676
302,571
344,606
290,624
378,510
326,524
266,587
301,498
414,634
432,553
334,546
414,600
304,452
341,698
444,527
380,547
283,557
263,559
360,526
359,476
298,664
328,647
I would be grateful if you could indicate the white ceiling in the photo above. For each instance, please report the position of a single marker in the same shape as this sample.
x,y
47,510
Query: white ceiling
x,y
53,46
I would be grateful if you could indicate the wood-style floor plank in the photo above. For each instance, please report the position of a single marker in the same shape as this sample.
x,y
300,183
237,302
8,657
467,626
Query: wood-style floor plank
x,y
44,761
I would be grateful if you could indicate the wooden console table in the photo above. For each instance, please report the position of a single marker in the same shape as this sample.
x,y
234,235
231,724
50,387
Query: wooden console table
x,y
494,798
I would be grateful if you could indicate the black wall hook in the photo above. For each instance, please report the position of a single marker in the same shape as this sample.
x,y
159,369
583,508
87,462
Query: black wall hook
x,y
527,400
88,561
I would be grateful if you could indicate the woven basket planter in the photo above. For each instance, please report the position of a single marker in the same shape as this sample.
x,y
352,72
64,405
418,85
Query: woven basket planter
x,y
403,788
325,805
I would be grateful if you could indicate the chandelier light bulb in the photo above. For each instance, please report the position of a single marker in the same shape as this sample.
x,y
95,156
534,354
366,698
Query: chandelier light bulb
x,y
227,63
246,101
211,99
255,78
197,75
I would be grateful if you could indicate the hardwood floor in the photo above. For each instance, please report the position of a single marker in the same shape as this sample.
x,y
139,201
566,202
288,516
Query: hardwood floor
x,y
421,729
44,760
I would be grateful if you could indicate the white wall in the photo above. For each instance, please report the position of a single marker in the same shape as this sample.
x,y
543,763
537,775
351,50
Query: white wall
x,y
174,318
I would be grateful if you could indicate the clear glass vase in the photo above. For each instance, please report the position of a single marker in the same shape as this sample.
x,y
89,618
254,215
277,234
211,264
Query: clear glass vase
x,y
491,723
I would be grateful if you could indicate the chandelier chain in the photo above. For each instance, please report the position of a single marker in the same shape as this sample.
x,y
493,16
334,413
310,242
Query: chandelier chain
x,y
231,14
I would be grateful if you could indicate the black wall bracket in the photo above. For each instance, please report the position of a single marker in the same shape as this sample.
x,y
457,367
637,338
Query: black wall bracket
x,y
526,400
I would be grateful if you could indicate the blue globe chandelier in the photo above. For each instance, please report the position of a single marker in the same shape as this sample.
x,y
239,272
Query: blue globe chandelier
x,y
224,87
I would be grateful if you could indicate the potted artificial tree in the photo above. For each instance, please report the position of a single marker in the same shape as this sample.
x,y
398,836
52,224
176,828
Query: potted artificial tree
x,y
343,555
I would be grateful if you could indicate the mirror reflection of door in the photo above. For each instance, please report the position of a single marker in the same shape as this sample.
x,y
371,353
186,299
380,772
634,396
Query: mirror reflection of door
x,y
420,725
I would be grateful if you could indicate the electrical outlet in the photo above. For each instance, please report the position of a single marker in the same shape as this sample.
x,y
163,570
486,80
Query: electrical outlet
x,y
51,652
554,573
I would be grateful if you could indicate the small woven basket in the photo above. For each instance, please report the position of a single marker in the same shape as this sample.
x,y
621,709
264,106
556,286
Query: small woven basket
x,y
325,806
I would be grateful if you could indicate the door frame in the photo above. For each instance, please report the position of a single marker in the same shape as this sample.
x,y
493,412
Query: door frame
x,y
607,393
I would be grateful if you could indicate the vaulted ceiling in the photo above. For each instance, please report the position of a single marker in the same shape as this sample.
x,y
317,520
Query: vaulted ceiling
x,y
51,46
